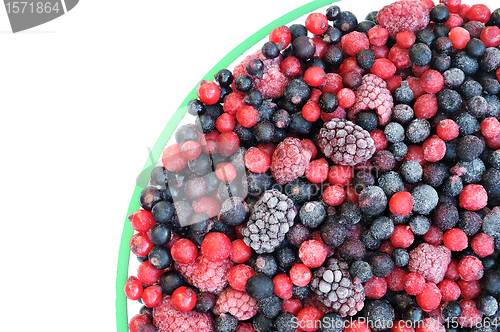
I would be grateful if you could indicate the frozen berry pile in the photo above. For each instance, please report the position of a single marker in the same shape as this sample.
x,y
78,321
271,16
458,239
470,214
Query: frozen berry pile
x,y
344,177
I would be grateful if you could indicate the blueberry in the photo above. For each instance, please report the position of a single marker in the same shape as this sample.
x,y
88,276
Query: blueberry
x,y
411,171
379,314
425,36
466,63
382,228
369,241
420,54
270,307
243,83
253,98
451,310
441,62
469,148
402,114
163,212
160,234
285,322
159,257
449,101
297,30
372,200
285,257
328,102
365,59
367,120
419,225
361,270
303,47
441,31
205,301
400,256
270,50
186,133
352,249
149,197
418,130
347,22
264,132
434,173
475,48
200,223
205,123
225,322
266,264
333,13
255,67
332,36
439,14
394,132
333,234
486,304
350,212
312,214
425,199
403,94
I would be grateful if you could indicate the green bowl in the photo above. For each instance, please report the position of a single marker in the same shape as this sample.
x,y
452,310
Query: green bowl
x,y
124,251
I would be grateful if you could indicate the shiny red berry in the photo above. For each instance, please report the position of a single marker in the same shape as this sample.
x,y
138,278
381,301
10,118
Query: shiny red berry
x,y
208,92
240,252
141,220
314,76
283,286
184,298
184,251
401,203
216,247
300,275
316,23
140,244
281,36
151,296
133,288
238,275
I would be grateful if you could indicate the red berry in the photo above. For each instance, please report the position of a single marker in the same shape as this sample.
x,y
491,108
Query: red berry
x,y
450,291
448,129
334,195
347,66
333,83
283,286
490,36
405,39
140,244
225,172
452,270
292,305
378,36
207,205
375,288
459,36
401,203
452,5
225,123
490,127
256,160
493,142
290,66
184,251
395,280
470,315
400,57
133,288
402,236
470,268
479,13
414,84
141,220
346,97
232,103
430,325
383,68
184,298
464,9
317,172
281,36
393,82
312,253
268,148
173,159
425,106
210,147
311,147
341,175
454,21
483,245
430,297
138,321
379,139
238,275
314,76
473,197
353,42
402,326
151,296
316,23
380,51
434,148
216,247
431,81
240,252
308,318
247,116
433,236
300,275
469,289
228,143
190,150
208,92
321,46
311,111
359,325
414,283
455,239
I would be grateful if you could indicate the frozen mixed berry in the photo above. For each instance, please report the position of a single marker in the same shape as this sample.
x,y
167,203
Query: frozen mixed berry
x,y
430,261
289,160
403,15
373,94
237,303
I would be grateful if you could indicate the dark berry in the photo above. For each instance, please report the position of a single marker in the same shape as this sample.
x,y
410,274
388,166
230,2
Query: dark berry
x,y
490,84
413,313
452,186
382,228
225,322
367,120
403,94
200,223
333,13
399,150
365,26
163,212
390,182
402,114
297,91
451,311
369,241
149,197
411,171
253,98
350,212
361,270
262,323
469,148
303,47
365,59
255,67
234,211
352,80
270,307
379,314
441,62
439,14
297,234
400,257
449,101
259,287
466,63
333,234
266,264
301,293
491,59
420,54
418,130
381,263
352,249
372,200
419,225
312,214
441,31
434,173
394,132
285,257
478,107
297,30
300,191
159,176
170,281
285,322
205,301
332,36
270,50
347,22
372,16
443,45
425,199
245,135
333,55
475,48
206,123
159,257
328,102
160,234
425,36
243,83
467,124
186,133
490,282
486,304
445,216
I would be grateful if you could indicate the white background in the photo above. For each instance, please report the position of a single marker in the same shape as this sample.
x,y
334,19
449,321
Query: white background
x,y
82,98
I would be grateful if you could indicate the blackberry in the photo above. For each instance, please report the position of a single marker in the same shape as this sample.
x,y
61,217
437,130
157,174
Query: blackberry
x,y
270,50
490,282
331,322
333,234
452,186
270,220
350,212
285,257
361,270
379,314
301,190
411,171
365,59
453,77
369,241
465,63
470,88
301,293
486,304
381,263
400,256
425,199
270,307
419,225
418,130
477,106
367,120
205,123
328,102
335,289
467,124
312,214
148,197
469,222
332,36
285,322
382,228
420,54
298,233
170,281
439,14
434,173
390,182
303,47
451,311
491,59
259,287
449,101
399,150
445,216
205,301
163,212
265,263
402,114
469,148
160,234
333,55
264,132
441,62
491,225
403,94
475,48
441,31
346,22
352,249
300,126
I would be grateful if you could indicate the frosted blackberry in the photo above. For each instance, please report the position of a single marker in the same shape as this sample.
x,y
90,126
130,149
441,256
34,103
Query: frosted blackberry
x,y
470,222
400,257
465,63
418,130
381,263
369,241
333,234
491,59
434,173
453,77
345,143
425,199
361,270
335,289
379,314
403,94
411,171
352,249
382,228
266,264
402,114
350,212
399,150
272,217
449,101
312,214
469,148
390,182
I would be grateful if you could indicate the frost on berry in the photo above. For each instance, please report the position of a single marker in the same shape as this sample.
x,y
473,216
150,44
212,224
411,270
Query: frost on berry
x,y
373,94
430,261
404,15
168,318
290,160
237,303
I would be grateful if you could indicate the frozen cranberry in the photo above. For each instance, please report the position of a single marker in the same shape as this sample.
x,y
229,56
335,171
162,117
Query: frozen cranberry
x,y
469,289
311,111
140,244
312,253
402,236
184,298
434,148
459,36
454,21
455,239
257,161
405,39
401,203
483,245
430,297
448,129
379,139
290,66
346,97
383,68
425,106
225,123
138,321
378,35
400,57
247,116
317,172
431,81
452,5
341,175
450,291
415,152
228,143
334,195
207,205
281,36
452,270
470,268
190,150
473,197
395,280
433,236
490,127
292,305
470,315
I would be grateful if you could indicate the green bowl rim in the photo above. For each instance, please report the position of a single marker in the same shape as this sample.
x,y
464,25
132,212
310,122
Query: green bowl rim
x,y
124,251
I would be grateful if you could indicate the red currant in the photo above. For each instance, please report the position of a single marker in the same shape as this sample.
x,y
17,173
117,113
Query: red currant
x,y
184,251
184,298
133,288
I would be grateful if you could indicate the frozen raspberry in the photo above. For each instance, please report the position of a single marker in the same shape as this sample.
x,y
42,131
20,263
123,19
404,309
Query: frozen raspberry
x,y
169,319
373,94
239,304
273,82
430,261
206,275
290,160
411,15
